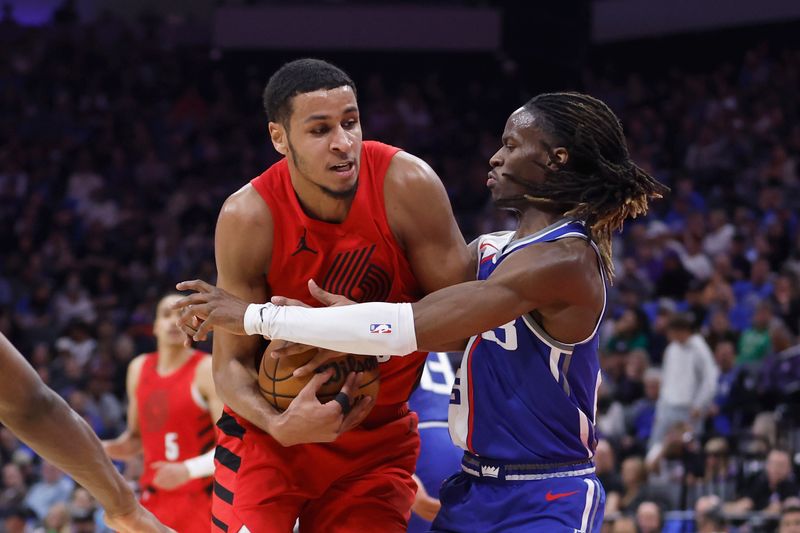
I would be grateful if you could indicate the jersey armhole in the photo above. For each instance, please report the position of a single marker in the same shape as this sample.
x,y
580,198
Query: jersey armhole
x,y
198,398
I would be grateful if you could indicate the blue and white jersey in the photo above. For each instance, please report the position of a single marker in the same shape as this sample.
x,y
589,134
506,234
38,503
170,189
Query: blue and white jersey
x,y
431,400
521,395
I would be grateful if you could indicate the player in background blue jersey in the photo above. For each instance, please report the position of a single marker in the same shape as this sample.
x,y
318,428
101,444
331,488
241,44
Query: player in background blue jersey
x,y
523,406
438,456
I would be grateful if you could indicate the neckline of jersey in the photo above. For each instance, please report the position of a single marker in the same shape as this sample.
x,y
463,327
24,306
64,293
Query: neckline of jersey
x,y
513,243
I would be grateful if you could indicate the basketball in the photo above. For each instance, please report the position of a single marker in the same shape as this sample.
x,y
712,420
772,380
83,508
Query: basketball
x,y
279,387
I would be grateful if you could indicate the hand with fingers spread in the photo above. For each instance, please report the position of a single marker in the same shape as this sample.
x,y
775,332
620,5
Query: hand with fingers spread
x,y
307,420
209,307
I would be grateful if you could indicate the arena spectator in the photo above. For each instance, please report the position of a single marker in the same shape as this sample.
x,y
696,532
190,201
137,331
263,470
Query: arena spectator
x,y
790,520
649,518
689,379
769,489
708,515
54,488
606,470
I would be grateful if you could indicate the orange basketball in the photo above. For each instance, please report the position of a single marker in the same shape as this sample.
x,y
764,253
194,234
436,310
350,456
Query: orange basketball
x,y
279,387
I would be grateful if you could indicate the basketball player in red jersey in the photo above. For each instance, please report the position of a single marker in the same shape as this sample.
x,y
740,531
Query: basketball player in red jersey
x,y
44,421
370,222
172,407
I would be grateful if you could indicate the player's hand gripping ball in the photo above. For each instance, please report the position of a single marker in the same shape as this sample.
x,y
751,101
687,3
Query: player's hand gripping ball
x,y
280,387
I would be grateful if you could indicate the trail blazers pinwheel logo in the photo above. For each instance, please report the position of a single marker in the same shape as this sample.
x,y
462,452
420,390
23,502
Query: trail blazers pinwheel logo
x,y
353,275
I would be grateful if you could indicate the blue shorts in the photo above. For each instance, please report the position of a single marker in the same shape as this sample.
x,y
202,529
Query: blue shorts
x,y
553,505
438,459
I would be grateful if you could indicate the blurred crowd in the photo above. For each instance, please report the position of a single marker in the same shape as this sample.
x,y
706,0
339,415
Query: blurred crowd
x,y
117,149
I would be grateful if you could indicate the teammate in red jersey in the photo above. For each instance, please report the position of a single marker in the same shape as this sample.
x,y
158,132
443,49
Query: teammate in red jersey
x,y
172,407
370,222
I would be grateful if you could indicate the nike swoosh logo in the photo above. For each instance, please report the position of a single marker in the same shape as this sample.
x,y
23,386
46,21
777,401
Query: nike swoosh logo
x,y
550,497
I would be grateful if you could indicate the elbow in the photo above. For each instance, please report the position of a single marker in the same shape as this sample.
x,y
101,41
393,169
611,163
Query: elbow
x,y
222,384
224,397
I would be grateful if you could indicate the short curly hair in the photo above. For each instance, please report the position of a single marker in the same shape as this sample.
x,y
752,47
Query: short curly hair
x,y
298,77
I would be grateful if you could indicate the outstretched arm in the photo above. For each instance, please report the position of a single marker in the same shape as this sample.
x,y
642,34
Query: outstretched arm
x,y
47,424
553,277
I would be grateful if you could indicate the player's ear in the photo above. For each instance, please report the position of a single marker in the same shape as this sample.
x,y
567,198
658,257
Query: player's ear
x,y
558,158
279,137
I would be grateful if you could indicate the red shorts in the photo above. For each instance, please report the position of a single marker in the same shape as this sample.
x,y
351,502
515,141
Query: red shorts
x,y
359,483
185,512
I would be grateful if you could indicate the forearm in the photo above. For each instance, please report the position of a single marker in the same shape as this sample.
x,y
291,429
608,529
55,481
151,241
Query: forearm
x,y
444,317
61,436
454,346
237,387
374,328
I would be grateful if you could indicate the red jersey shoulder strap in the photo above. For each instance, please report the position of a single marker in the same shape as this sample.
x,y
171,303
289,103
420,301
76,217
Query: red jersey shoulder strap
x,y
149,366
272,181
375,160
378,156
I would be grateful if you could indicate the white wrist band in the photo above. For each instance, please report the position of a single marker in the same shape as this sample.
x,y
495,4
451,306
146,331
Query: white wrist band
x,y
252,318
201,466
374,328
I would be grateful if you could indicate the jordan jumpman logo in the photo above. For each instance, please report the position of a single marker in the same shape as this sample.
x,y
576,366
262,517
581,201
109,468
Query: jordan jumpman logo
x,y
302,246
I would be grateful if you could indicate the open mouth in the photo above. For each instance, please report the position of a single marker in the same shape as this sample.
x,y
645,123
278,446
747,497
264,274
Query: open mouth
x,y
343,168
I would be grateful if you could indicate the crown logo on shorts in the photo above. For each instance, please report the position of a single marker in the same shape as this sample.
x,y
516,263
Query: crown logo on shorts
x,y
490,471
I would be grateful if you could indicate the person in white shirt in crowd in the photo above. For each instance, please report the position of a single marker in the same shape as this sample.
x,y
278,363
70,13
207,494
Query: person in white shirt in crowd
x,y
719,238
688,381
54,488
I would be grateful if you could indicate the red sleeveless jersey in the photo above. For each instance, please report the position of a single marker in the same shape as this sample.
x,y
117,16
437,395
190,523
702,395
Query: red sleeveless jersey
x,y
172,425
358,258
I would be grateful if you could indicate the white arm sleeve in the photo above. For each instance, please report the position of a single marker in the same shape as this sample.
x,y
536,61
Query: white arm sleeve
x,y
201,466
374,328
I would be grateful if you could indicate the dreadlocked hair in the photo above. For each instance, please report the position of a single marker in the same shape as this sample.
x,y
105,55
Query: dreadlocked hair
x,y
599,183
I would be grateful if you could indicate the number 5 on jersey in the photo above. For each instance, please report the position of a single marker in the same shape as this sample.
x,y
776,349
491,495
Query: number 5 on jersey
x,y
509,340
171,449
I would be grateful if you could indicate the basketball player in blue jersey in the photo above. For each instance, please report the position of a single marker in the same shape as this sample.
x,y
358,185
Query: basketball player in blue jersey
x,y
438,457
524,402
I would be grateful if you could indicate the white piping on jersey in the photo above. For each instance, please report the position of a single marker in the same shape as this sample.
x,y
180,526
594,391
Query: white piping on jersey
x,y
565,370
542,335
458,414
587,508
565,346
598,488
577,234
432,424
513,245
198,398
555,354
597,383
534,477
556,349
